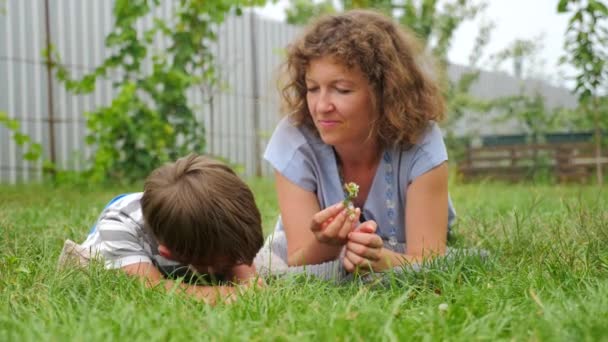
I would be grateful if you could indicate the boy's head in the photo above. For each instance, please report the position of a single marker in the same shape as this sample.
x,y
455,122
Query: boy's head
x,y
202,213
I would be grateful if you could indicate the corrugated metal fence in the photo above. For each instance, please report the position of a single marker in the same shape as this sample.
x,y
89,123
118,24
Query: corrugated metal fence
x,y
238,122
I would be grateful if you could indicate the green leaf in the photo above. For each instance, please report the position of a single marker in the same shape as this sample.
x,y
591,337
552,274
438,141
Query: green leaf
x,y
598,6
562,6
20,138
12,124
31,156
576,18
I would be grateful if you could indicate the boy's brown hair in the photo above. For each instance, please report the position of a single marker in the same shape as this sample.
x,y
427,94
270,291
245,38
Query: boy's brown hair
x,y
201,210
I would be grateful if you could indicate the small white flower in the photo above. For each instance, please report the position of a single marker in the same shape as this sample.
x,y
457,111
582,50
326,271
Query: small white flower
x,y
443,307
351,190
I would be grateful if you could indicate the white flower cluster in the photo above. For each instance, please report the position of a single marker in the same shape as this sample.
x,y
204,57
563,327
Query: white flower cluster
x,y
351,190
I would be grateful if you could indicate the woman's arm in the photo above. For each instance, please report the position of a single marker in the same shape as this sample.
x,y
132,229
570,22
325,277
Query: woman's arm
x,y
427,214
425,227
313,235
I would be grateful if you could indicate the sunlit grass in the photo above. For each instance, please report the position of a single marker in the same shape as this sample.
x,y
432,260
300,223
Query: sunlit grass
x,y
546,278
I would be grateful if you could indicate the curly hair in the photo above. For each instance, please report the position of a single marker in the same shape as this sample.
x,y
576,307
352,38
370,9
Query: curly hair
x,y
389,56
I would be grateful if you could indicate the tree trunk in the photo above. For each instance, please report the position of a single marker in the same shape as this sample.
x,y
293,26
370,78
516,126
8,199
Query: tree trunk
x,y
49,88
598,144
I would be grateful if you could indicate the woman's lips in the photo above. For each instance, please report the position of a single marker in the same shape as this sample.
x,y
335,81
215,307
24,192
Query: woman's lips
x,y
328,123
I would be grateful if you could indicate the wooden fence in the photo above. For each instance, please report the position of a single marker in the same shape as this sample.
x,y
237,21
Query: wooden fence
x,y
565,161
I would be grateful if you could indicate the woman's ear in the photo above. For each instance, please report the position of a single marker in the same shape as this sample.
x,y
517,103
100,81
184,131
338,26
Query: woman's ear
x,y
164,251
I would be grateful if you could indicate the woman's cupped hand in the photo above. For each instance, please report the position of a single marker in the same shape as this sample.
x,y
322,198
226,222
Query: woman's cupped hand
x,y
339,226
333,224
364,249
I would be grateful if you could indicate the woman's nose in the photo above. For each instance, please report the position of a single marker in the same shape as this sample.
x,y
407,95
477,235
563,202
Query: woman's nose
x,y
324,103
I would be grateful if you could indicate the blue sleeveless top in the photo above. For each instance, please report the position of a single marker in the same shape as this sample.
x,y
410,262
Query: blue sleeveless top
x,y
300,155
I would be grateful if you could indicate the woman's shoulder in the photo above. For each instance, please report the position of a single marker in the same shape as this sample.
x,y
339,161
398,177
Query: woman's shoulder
x,y
428,152
288,132
289,141
430,140
431,134
295,152
290,136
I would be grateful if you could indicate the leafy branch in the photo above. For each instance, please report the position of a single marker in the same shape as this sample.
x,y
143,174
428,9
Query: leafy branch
x,y
587,51
33,150
151,120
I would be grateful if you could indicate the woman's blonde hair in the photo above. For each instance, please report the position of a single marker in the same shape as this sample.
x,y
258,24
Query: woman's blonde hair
x,y
389,56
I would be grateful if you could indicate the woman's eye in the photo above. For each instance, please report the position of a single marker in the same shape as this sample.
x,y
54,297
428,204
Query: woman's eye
x,y
312,89
343,91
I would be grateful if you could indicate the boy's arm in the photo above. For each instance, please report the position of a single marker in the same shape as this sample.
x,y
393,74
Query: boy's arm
x,y
152,277
246,275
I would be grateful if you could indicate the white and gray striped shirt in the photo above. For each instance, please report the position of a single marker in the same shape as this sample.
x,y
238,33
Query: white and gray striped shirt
x,y
120,239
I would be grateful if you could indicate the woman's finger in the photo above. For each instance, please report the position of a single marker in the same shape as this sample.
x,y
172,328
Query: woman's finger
x,y
326,223
363,251
366,239
322,216
348,225
358,261
369,226
348,265
331,231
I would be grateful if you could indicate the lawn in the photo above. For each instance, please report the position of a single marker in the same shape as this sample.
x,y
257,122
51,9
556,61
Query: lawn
x,y
546,279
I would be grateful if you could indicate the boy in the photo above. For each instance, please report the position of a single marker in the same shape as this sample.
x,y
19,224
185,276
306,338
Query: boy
x,y
194,212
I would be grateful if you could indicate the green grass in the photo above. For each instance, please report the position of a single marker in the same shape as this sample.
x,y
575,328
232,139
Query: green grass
x,y
547,278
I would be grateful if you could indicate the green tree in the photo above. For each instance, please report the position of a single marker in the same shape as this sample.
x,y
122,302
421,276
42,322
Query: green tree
x,y
519,52
299,12
437,24
529,110
586,48
150,120
432,22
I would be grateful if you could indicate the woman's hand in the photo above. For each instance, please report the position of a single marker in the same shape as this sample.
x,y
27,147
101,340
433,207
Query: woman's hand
x,y
364,249
333,224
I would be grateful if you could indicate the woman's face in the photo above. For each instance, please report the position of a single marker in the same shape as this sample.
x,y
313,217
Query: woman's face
x,y
339,101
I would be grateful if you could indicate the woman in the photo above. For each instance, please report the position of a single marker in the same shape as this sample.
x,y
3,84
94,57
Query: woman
x,y
364,110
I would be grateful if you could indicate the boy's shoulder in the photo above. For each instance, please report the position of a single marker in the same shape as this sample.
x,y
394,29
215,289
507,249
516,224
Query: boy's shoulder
x,y
122,222
127,204
124,208
125,201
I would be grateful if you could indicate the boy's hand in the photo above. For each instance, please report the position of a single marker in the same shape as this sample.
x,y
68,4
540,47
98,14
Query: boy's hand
x,y
246,275
333,224
152,277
